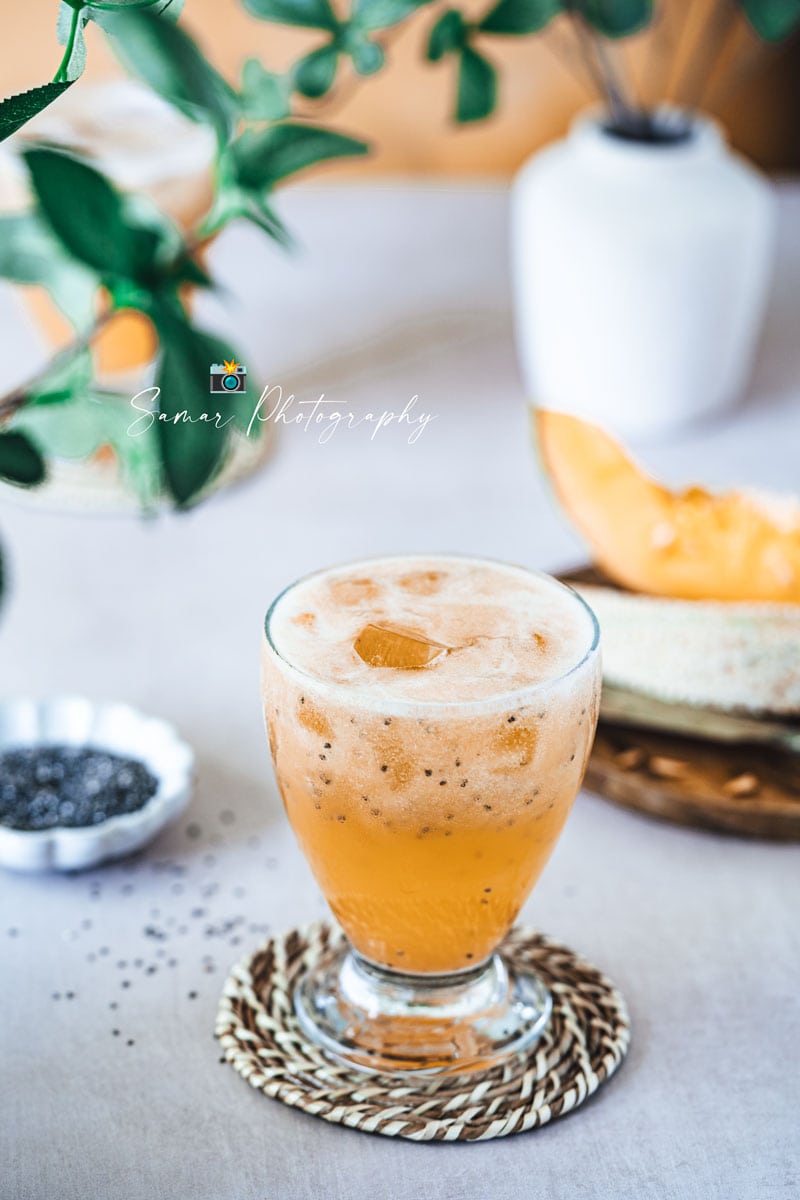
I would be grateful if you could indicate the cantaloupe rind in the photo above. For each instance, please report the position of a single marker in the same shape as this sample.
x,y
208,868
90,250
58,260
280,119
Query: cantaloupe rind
x,y
739,657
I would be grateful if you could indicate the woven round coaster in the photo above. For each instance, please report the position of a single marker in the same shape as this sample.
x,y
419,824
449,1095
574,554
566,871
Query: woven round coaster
x,y
583,1045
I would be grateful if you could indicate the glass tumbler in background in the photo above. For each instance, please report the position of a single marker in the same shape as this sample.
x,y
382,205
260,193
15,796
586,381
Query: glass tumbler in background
x,y
430,720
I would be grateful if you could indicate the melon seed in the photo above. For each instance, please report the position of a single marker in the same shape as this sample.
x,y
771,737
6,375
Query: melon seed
x,y
746,784
628,760
666,768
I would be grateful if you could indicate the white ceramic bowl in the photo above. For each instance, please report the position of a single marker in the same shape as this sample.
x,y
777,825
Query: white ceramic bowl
x,y
73,721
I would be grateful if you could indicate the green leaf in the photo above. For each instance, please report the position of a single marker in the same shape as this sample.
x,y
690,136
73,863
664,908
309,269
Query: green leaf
x,y
314,74
170,8
159,243
519,16
381,14
616,18
88,215
311,14
31,254
126,240
69,32
65,380
17,110
772,20
187,270
83,209
255,208
262,158
72,430
70,419
165,57
263,96
20,461
477,87
258,160
232,201
192,447
367,57
448,35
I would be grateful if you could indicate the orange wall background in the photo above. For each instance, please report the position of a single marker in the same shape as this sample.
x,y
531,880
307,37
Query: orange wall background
x,y
405,110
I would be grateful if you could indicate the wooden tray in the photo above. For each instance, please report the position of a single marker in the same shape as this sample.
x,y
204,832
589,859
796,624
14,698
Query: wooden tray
x,y
747,790
742,789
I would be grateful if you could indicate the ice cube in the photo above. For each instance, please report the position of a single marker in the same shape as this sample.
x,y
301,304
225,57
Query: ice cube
x,y
389,646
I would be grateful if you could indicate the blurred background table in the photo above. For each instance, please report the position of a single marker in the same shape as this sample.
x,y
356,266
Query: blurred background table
x,y
111,1082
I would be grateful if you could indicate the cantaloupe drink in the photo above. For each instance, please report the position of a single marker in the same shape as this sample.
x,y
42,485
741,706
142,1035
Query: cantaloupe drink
x,y
430,721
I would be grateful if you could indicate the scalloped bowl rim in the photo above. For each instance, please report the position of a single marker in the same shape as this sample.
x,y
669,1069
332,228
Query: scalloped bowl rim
x,y
172,765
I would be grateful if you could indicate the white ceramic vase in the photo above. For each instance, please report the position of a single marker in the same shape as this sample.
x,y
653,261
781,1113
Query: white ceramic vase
x,y
641,272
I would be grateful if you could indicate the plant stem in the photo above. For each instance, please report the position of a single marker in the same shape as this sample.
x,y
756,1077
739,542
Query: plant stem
x,y
660,54
61,75
700,65
754,59
18,397
600,70
583,38
620,107
343,89
562,46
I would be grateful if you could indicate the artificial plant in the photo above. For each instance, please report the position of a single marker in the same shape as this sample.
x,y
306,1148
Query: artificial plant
x,y
83,235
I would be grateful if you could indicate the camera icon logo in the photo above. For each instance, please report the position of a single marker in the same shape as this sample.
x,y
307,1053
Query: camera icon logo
x,y
229,376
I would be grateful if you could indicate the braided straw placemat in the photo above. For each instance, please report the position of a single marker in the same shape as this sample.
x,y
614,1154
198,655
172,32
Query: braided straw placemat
x,y
583,1045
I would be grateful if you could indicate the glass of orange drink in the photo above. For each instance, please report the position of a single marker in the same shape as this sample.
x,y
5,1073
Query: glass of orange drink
x,y
430,719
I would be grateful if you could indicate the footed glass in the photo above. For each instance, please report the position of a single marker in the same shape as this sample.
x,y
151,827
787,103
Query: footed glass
x,y
430,720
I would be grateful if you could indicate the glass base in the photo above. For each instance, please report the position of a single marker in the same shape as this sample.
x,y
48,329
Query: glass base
x,y
377,1020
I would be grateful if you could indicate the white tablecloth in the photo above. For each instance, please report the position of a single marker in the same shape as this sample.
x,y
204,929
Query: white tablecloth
x,y
398,291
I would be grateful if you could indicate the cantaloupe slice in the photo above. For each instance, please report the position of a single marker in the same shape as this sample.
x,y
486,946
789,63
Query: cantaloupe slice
x,y
690,544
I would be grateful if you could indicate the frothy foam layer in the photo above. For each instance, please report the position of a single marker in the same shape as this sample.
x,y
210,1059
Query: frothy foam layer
x,y
492,629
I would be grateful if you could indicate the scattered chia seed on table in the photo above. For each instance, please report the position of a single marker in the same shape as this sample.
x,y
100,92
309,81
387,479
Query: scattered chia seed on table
x,y
75,786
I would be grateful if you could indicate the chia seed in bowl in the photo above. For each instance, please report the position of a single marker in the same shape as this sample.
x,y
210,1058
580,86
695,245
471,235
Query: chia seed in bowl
x,y
85,782
49,786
